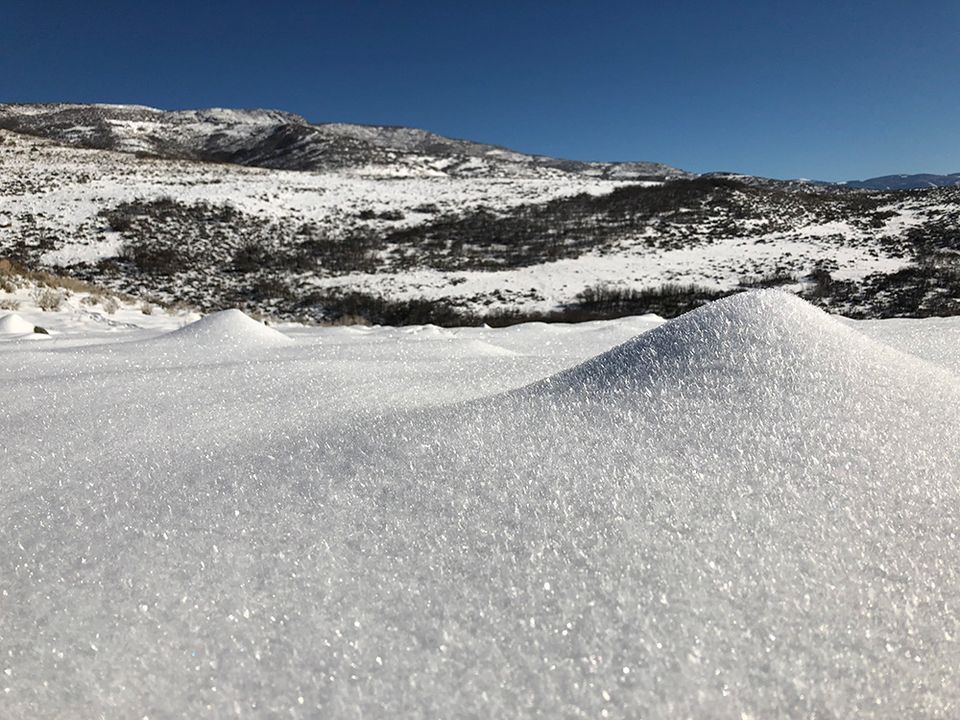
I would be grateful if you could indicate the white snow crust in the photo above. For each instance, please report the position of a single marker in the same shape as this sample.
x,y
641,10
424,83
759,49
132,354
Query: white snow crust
x,y
749,511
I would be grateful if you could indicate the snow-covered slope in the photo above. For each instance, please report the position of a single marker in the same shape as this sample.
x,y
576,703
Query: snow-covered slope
x,y
473,231
412,140
56,201
749,511
273,139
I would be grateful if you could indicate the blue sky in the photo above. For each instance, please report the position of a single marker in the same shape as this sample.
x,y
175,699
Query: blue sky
x,y
828,90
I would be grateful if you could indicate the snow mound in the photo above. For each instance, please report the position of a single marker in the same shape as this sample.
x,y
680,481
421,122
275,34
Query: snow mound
x,y
747,339
14,328
759,386
230,329
13,324
749,511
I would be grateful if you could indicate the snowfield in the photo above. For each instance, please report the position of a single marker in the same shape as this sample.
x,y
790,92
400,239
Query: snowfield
x,y
750,511
288,243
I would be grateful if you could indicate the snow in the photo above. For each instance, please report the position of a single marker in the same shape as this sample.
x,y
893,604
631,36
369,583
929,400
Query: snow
x,y
720,265
227,329
13,324
54,195
749,511
84,318
933,339
64,189
86,252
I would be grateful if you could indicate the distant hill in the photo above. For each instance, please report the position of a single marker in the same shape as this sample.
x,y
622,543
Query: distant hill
x,y
905,182
281,140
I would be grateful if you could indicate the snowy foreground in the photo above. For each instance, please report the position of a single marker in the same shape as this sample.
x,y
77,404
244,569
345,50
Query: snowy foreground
x,y
749,512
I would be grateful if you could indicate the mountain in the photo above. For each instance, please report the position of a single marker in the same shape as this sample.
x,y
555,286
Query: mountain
x,y
407,227
281,140
905,182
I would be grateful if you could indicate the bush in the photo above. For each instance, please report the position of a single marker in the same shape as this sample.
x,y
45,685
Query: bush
x,y
119,221
380,310
774,278
668,300
48,299
249,257
155,259
270,287
822,281
595,303
426,209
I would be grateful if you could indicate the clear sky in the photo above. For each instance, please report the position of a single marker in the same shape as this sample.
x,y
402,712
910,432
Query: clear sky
x,y
827,90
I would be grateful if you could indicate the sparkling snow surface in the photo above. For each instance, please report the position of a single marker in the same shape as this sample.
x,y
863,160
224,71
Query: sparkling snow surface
x,y
747,512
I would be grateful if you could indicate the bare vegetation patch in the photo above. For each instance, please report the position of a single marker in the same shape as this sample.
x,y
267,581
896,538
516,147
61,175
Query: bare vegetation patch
x,y
47,299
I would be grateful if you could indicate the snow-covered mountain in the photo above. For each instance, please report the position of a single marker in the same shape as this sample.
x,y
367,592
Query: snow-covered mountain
x,y
281,140
905,182
395,234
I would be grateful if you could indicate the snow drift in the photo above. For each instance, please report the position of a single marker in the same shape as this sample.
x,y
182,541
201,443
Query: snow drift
x,y
749,511
760,338
228,329
13,324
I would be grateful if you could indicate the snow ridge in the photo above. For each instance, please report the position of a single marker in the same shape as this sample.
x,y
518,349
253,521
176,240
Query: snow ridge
x,y
275,139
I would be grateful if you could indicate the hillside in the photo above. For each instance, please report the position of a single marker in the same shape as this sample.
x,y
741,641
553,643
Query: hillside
x,y
281,140
905,182
394,235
